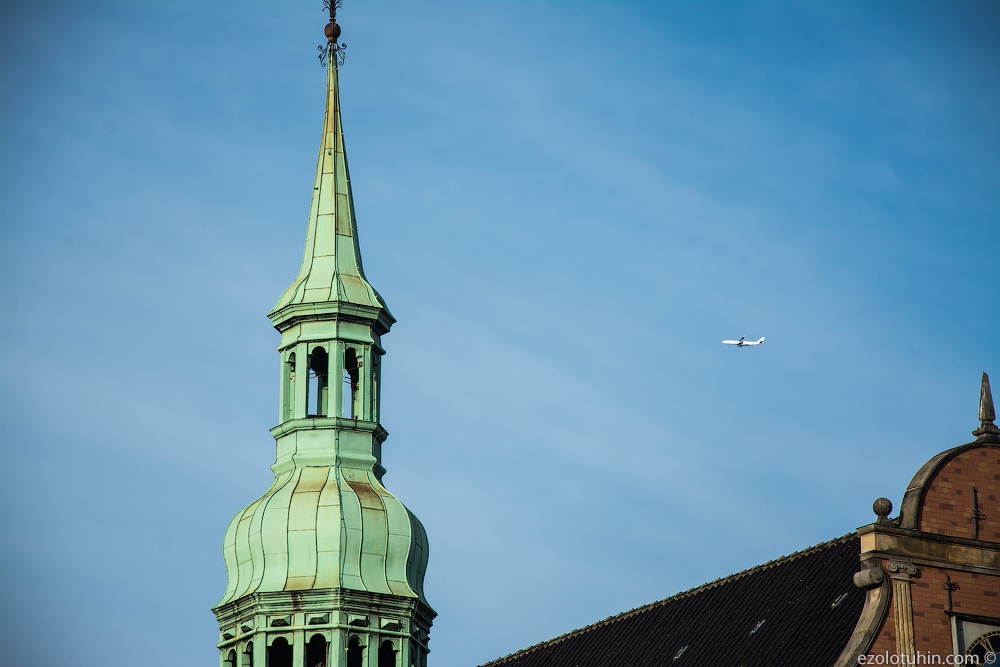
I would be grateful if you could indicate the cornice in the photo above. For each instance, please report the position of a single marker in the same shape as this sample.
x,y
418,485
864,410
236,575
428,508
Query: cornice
x,y
288,316
330,424
253,614
929,549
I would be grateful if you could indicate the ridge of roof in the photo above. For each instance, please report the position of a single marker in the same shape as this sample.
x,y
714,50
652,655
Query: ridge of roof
x,y
635,611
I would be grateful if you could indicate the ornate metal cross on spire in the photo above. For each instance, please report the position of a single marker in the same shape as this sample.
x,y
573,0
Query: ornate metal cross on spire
x,y
332,32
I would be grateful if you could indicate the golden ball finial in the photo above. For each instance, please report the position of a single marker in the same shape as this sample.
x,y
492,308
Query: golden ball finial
x,y
332,31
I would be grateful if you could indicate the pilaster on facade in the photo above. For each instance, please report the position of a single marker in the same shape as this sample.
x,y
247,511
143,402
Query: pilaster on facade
x,y
902,606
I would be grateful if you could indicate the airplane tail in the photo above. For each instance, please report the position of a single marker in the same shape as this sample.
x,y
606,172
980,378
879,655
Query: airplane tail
x,y
761,340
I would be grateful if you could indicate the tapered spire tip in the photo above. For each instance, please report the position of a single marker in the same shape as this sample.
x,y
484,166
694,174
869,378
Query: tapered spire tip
x,y
987,431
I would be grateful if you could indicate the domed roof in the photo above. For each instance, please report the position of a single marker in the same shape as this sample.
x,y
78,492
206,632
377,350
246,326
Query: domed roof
x,y
954,472
325,527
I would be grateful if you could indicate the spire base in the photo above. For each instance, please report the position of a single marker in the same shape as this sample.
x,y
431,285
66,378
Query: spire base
x,y
987,433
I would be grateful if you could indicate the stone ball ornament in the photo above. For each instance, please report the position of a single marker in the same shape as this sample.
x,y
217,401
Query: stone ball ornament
x,y
882,508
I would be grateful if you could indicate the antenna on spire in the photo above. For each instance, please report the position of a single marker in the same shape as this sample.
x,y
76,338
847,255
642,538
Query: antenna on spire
x,y
332,32
987,431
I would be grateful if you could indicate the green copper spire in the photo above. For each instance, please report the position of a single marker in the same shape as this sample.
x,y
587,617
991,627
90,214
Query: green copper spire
x,y
331,276
327,567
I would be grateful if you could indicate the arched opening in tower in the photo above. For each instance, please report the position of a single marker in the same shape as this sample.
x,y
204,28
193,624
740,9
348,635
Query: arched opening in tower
x,y
355,652
279,653
387,654
352,382
319,368
316,652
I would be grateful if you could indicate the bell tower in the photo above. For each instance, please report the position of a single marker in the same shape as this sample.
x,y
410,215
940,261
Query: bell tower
x,y
326,568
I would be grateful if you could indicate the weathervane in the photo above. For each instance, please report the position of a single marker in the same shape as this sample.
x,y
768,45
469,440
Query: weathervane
x,y
332,32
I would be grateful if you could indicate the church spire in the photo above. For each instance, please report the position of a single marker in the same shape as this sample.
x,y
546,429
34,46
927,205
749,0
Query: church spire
x,y
331,278
327,566
987,431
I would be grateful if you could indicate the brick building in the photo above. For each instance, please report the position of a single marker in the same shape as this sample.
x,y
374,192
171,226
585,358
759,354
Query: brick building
x,y
922,588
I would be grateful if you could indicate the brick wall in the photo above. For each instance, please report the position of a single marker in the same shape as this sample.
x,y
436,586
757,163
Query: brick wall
x,y
947,504
977,594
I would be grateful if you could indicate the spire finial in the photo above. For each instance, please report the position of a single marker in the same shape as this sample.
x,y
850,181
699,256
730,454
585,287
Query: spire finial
x,y
332,32
987,431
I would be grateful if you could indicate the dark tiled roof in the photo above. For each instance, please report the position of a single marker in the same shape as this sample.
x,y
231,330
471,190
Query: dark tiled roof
x,y
777,614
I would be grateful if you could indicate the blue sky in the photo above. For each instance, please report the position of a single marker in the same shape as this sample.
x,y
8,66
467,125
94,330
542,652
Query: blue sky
x,y
566,206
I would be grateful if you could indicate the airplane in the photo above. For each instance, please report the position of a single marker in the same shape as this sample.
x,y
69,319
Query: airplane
x,y
743,343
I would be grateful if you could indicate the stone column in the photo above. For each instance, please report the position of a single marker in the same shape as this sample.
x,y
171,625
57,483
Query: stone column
x,y
260,647
364,383
337,651
902,606
404,652
298,646
301,388
337,350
